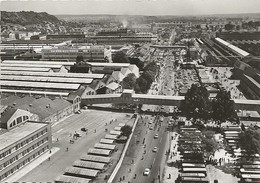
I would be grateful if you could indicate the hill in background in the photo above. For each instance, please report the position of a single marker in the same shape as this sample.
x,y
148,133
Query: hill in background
x,y
27,17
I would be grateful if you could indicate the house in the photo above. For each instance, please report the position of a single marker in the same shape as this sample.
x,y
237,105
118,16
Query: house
x,y
134,69
92,88
125,71
11,117
118,76
113,88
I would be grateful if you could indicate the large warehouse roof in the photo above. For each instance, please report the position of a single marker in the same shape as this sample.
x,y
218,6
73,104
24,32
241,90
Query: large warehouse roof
x,y
38,62
234,48
64,94
47,79
31,65
34,69
40,85
101,159
54,74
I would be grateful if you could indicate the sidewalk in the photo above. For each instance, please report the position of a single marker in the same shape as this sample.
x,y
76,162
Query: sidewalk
x,y
173,171
27,168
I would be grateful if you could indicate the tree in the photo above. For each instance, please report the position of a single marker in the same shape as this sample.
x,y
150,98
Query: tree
x,y
129,81
120,57
141,85
250,140
126,130
196,103
222,106
137,62
229,26
79,58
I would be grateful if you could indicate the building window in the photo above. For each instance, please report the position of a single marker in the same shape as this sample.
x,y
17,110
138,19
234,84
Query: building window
x,y
19,120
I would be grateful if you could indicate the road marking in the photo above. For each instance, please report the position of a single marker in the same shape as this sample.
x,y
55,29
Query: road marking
x,y
153,160
59,131
161,140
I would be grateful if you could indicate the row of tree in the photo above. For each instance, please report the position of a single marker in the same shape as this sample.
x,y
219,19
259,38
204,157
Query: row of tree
x,y
197,105
144,82
249,140
245,25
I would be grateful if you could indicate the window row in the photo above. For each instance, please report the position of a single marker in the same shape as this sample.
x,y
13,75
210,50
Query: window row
x,y
19,120
18,146
20,155
14,169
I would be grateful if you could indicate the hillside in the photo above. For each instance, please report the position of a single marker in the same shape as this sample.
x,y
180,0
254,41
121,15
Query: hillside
x,y
27,17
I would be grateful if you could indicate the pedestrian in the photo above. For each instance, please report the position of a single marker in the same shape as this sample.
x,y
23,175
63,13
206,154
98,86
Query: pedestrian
x,y
67,149
50,151
57,140
49,158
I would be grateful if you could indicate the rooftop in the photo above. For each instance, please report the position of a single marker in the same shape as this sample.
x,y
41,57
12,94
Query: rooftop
x,y
34,69
236,49
38,62
28,65
10,137
101,64
65,94
47,79
53,74
47,85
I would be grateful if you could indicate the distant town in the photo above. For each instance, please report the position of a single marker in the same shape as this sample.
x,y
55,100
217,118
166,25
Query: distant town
x,y
130,99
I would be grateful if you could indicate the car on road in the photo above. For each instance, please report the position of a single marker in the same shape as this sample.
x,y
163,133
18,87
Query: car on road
x,y
146,172
156,136
83,129
151,128
77,134
150,122
155,149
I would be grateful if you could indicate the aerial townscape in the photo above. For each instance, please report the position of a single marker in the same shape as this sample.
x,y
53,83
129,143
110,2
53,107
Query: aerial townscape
x,y
130,91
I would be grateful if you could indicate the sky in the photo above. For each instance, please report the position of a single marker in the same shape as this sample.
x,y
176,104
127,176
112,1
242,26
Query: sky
x,y
133,7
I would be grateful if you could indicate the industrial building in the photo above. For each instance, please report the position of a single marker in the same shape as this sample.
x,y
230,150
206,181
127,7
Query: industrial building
x,y
95,53
41,109
22,144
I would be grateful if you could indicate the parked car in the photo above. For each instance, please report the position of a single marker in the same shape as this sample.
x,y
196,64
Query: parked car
x,y
83,129
146,172
155,149
156,136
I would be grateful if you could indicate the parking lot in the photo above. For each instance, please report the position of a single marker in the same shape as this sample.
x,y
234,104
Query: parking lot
x,y
96,122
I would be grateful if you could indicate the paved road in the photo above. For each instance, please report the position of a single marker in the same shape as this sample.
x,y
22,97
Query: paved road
x,y
137,160
153,160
